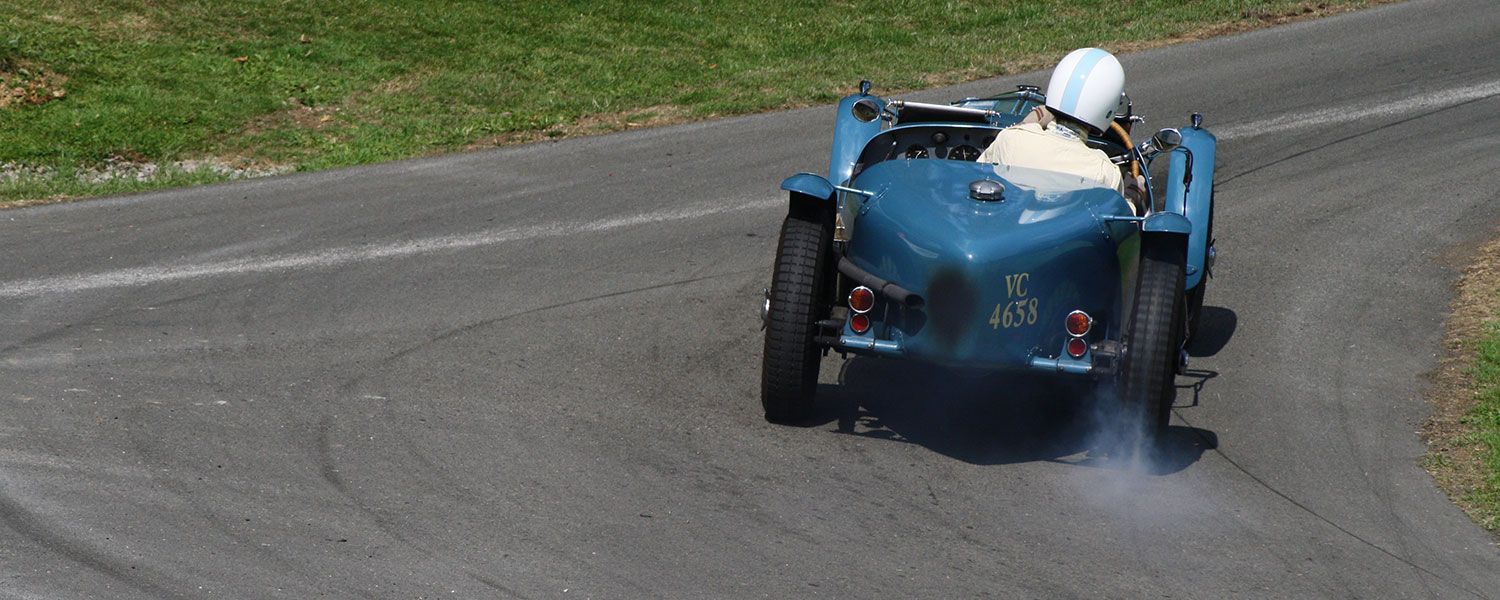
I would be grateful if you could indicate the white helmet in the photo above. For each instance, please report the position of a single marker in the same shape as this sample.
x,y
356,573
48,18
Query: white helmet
x,y
1086,86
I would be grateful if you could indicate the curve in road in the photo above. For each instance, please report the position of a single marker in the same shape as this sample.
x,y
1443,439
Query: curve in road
x,y
532,372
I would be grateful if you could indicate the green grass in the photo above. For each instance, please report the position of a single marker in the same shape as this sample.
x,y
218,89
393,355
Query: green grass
x,y
340,82
1484,423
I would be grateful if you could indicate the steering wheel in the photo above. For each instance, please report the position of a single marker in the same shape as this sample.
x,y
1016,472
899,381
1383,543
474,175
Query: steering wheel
x,y
1135,165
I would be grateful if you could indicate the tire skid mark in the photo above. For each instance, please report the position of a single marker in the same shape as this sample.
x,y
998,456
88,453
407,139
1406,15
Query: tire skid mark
x,y
1304,508
54,538
462,329
328,468
146,447
1220,183
58,331
1360,305
429,466
461,494
497,586
105,314
328,471
1429,101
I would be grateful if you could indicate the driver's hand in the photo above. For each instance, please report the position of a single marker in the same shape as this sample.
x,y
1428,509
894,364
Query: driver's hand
x,y
1135,192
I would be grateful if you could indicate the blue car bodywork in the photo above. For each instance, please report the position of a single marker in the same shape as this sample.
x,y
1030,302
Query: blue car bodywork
x,y
989,281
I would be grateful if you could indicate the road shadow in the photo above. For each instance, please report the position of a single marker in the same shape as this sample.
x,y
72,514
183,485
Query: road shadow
x,y
986,419
1191,381
1215,326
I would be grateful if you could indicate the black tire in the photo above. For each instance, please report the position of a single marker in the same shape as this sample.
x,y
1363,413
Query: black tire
x,y
800,282
1147,374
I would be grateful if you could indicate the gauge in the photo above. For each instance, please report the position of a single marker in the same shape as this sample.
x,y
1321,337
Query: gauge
x,y
964,152
916,151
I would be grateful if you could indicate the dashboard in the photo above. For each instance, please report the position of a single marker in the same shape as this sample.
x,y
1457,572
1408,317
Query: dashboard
x,y
944,142
959,152
948,142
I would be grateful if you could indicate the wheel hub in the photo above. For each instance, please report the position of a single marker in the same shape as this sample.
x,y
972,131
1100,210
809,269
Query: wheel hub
x,y
765,308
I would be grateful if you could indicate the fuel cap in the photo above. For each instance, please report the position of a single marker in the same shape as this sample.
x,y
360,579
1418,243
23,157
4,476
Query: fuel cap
x,y
986,190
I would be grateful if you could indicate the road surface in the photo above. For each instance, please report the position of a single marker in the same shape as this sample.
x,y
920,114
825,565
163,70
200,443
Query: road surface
x,y
533,372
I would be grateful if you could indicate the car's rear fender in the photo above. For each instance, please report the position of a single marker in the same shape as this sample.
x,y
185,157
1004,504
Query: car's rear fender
x,y
1167,228
1190,193
814,187
810,194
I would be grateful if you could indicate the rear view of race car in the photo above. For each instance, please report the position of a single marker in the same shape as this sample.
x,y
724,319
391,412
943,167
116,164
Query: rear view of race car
x,y
911,249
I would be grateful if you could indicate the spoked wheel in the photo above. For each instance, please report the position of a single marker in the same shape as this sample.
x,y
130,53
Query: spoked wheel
x,y
1152,342
799,287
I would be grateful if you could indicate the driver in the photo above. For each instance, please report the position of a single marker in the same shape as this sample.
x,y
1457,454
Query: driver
x,y
1081,99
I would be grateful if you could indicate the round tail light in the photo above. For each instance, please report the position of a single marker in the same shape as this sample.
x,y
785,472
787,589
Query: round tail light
x,y
1079,323
1077,347
861,300
860,323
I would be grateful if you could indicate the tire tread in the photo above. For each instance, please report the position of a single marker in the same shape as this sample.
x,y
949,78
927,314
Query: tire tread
x,y
789,368
1150,367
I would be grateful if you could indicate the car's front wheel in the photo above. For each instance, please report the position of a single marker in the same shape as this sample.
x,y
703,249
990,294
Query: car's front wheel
x,y
789,368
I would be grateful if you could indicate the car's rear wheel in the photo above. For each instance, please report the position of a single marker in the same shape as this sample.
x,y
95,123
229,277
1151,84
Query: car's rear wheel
x,y
800,283
1146,376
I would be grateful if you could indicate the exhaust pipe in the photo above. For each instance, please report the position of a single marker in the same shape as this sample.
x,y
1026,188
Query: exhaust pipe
x,y
896,293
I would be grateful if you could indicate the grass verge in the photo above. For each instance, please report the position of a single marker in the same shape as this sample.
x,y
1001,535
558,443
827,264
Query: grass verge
x,y
94,93
1463,435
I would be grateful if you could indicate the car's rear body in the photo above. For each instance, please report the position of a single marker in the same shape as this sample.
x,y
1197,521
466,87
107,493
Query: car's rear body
x,y
998,276
995,275
912,248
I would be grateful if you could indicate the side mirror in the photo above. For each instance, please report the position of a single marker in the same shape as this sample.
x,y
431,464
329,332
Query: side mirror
x,y
867,110
1165,140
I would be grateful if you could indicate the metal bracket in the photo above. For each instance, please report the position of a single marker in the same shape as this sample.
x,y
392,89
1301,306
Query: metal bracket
x,y
765,309
854,191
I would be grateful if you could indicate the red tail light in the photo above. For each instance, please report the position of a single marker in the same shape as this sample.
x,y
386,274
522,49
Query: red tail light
x,y
860,323
861,300
1079,323
1077,347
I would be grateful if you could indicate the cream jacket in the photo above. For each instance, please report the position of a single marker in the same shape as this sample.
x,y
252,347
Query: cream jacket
x,y
1055,148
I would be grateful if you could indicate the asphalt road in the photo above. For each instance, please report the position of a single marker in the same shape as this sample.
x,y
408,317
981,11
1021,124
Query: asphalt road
x,y
533,372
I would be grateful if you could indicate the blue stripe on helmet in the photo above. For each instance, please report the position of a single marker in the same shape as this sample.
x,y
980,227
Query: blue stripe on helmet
x,y
1078,78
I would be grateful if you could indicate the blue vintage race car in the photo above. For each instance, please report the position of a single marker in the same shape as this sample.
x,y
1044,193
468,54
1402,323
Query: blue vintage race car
x,y
911,249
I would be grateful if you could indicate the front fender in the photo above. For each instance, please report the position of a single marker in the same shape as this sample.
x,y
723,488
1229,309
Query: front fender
x,y
1190,193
